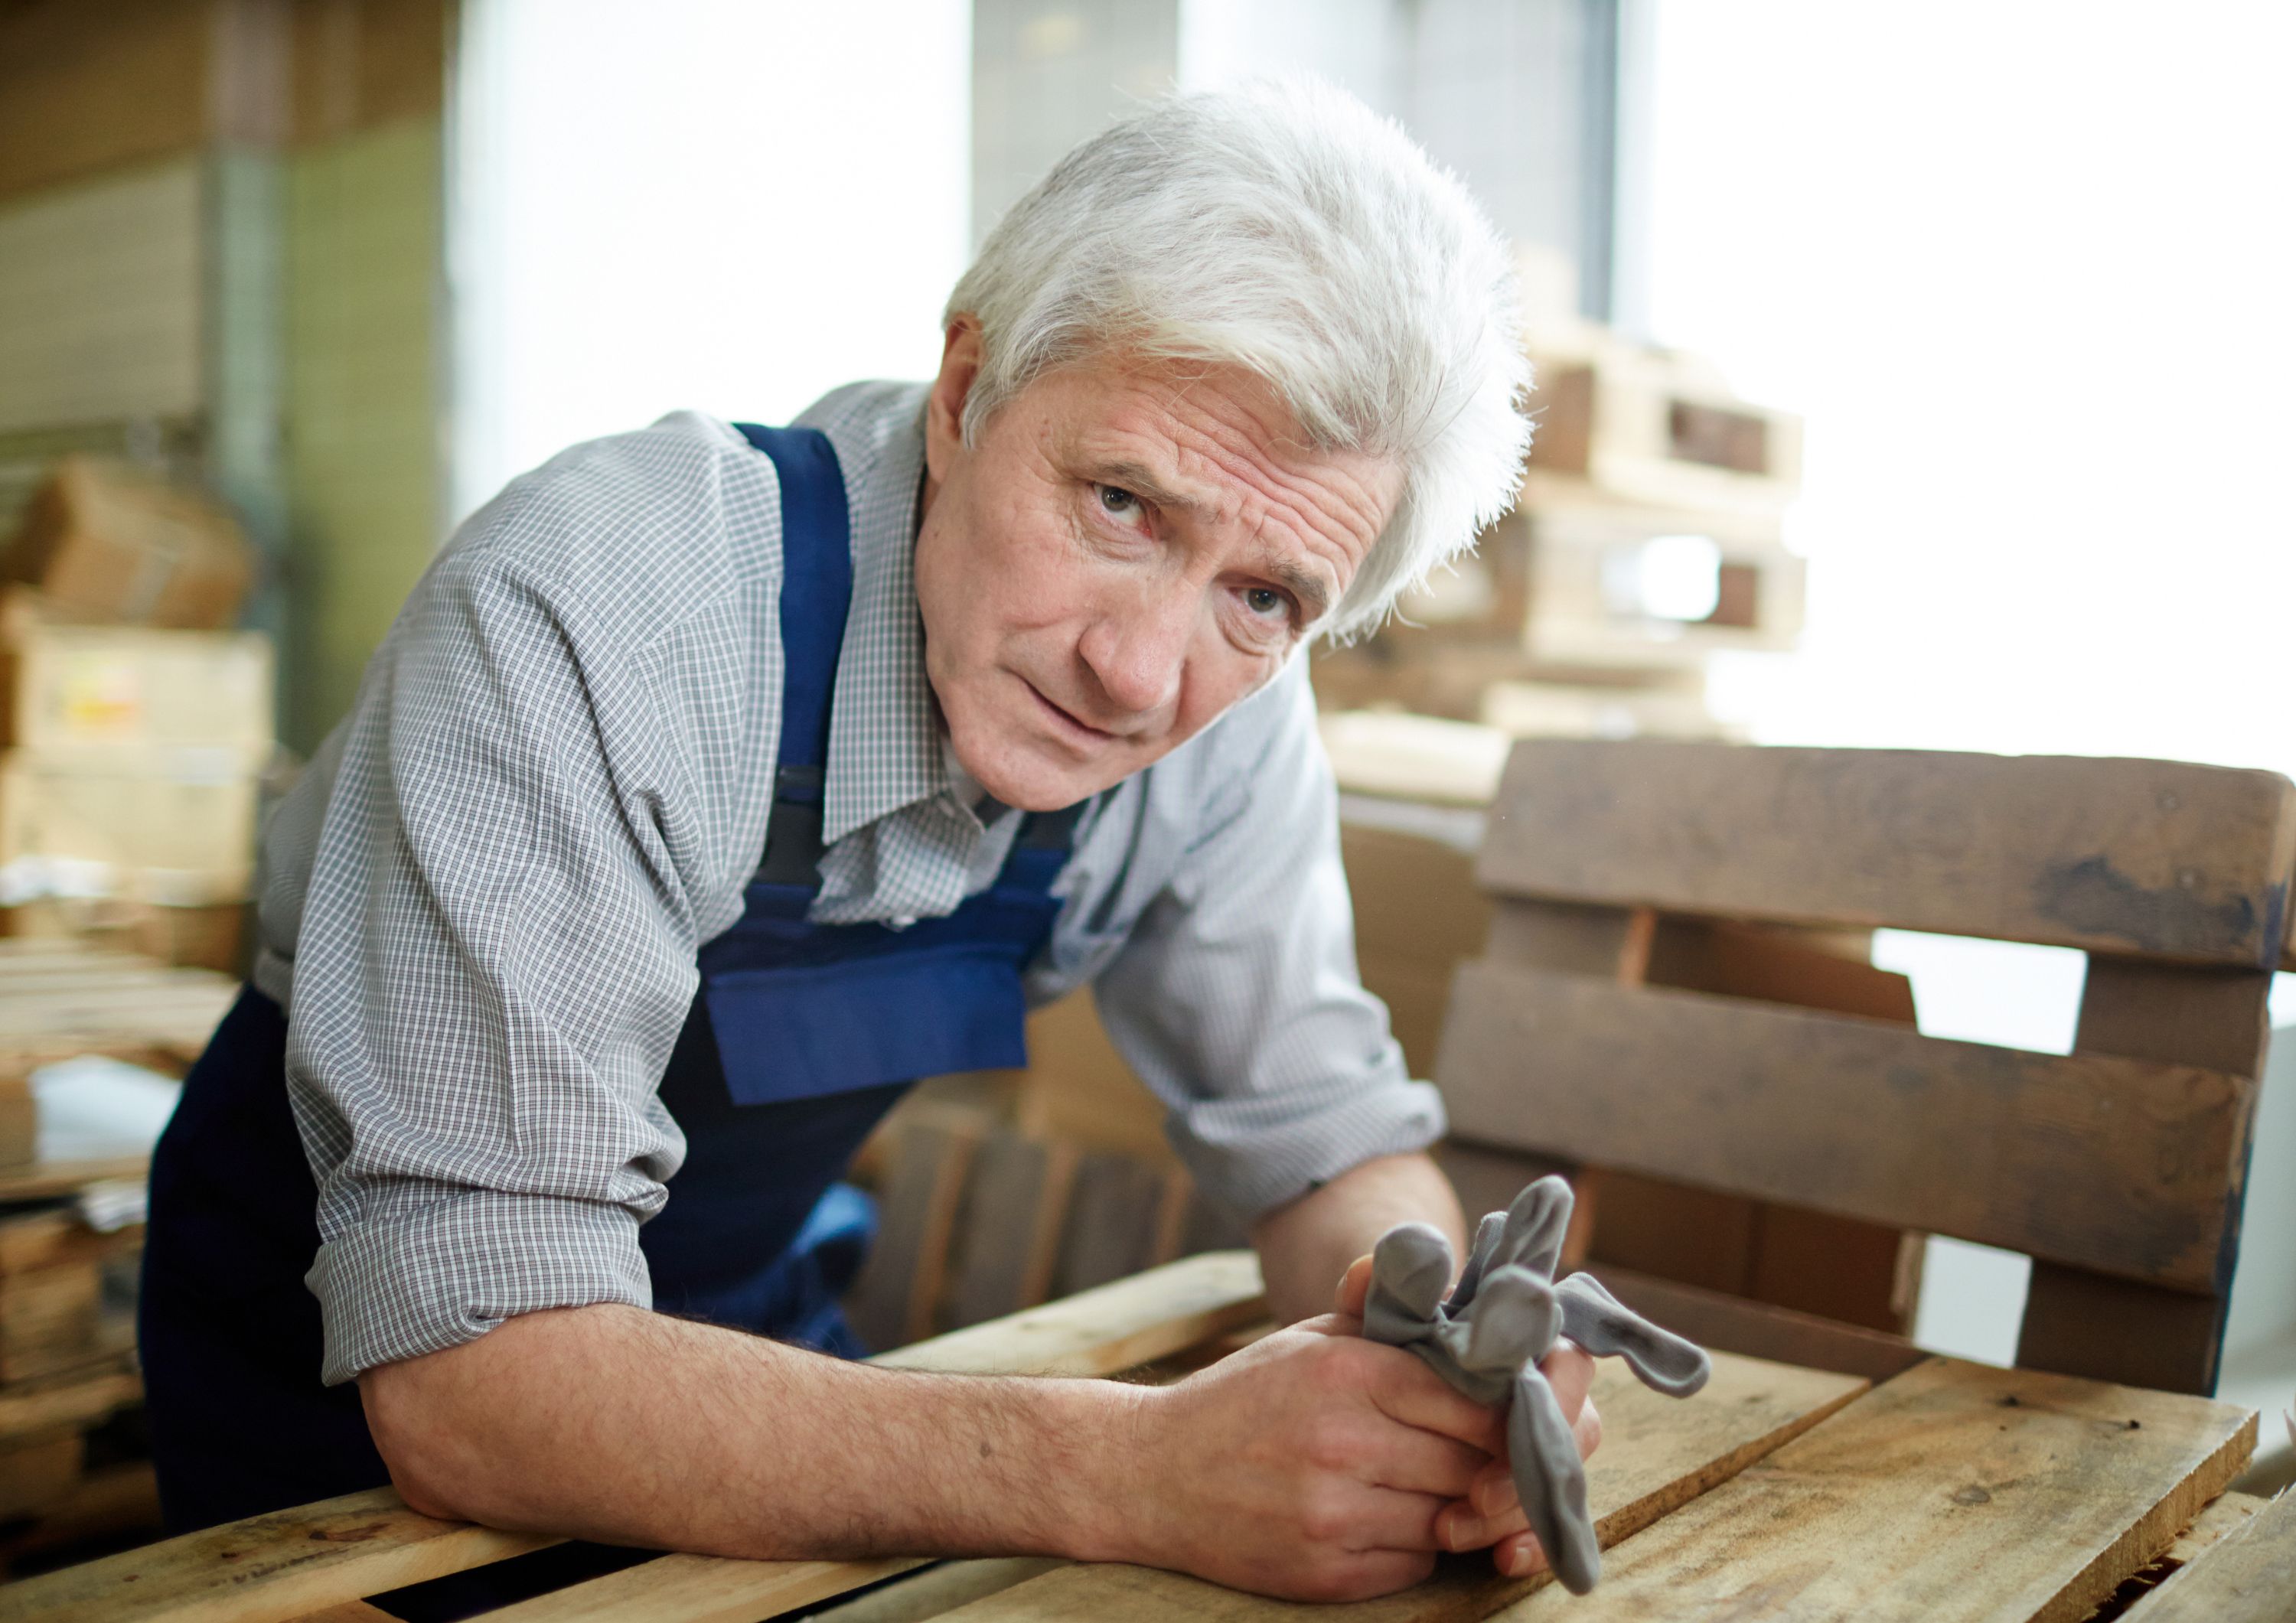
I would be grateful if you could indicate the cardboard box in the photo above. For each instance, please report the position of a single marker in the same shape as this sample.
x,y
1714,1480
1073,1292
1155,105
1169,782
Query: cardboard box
x,y
107,544
155,828
90,692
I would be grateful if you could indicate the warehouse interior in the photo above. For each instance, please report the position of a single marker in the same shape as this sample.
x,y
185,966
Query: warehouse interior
x,y
1906,381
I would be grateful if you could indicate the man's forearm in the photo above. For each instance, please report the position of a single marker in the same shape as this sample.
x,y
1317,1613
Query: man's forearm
x,y
613,1423
1304,1248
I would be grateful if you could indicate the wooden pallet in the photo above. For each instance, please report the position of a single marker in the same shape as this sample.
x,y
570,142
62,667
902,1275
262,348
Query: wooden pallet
x,y
980,1218
1655,426
59,999
1951,1491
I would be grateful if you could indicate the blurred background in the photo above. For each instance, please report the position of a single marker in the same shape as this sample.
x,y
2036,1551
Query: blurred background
x,y
1910,376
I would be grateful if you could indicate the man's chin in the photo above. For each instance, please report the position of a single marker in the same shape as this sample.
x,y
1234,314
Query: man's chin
x,y
1045,774
1032,783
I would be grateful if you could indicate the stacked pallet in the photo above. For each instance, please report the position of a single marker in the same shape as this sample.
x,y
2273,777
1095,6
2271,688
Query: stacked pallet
x,y
67,1349
71,1456
134,730
1647,536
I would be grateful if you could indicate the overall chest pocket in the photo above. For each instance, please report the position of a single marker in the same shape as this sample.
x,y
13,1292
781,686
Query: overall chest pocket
x,y
812,1031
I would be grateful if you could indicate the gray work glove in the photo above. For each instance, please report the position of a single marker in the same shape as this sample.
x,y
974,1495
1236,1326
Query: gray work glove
x,y
1488,1337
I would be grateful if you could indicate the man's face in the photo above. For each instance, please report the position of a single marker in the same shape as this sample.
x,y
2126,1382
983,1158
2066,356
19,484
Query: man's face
x,y
1130,550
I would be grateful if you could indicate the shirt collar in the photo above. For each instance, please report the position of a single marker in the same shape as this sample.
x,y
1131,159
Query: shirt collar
x,y
884,740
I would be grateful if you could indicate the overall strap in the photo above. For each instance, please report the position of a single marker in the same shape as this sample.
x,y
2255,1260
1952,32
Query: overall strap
x,y
816,593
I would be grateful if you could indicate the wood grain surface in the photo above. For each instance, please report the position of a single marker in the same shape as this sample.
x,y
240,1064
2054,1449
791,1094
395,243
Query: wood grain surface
x,y
266,1569
2115,1164
283,1567
1659,1453
1954,1494
2147,858
2248,1576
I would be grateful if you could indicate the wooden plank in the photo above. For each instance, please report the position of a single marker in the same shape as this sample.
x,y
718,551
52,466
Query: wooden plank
x,y
266,1569
893,1302
2150,858
1659,1454
44,1180
2214,1019
1775,964
1116,1327
2096,1160
1008,1233
1613,943
1729,1323
1954,1493
77,1398
2247,1575
1113,1222
1813,1262
2084,1324
700,1589
935,1589
277,1568
2228,1513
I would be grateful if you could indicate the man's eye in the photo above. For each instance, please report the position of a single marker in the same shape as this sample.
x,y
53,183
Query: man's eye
x,y
1266,601
1122,503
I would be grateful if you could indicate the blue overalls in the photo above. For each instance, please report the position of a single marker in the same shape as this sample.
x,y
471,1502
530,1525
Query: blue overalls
x,y
801,1037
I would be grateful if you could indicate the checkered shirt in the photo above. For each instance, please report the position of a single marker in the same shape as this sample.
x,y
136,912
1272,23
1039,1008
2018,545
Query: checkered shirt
x,y
482,901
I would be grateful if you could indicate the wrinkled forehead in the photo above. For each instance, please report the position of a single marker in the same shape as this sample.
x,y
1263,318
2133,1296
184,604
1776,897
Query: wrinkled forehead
x,y
1214,441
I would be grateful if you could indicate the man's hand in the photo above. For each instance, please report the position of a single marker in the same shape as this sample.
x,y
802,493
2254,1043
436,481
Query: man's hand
x,y
1489,1515
1313,1465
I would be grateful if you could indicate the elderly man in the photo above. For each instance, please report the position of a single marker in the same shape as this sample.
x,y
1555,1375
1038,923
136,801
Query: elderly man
x,y
510,1178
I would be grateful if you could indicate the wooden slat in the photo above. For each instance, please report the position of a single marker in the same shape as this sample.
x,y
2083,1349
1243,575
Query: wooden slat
x,y
891,1304
2084,1324
700,1589
42,1180
2104,1162
2227,1515
1659,1453
943,1587
266,1569
2079,1322
1730,1324
1113,1220
1008,1233
78,1398
2149,858
1952,1494
2248,1576
277,1568
1117,1327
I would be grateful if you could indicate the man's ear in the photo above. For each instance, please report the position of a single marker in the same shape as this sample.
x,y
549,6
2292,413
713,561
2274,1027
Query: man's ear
x,y
960,369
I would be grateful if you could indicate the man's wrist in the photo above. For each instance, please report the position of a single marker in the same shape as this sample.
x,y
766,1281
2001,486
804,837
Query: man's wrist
x,y
1109,1514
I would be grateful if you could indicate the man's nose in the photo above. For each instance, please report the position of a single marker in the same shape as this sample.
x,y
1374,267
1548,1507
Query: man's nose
x,y
1138,649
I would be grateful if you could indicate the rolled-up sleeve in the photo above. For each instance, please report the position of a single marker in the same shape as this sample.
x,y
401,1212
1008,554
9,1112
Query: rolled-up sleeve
x,y
1236,997
495,957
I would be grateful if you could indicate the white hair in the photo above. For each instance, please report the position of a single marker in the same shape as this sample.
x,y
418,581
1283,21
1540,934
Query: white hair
x,y
1286,228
